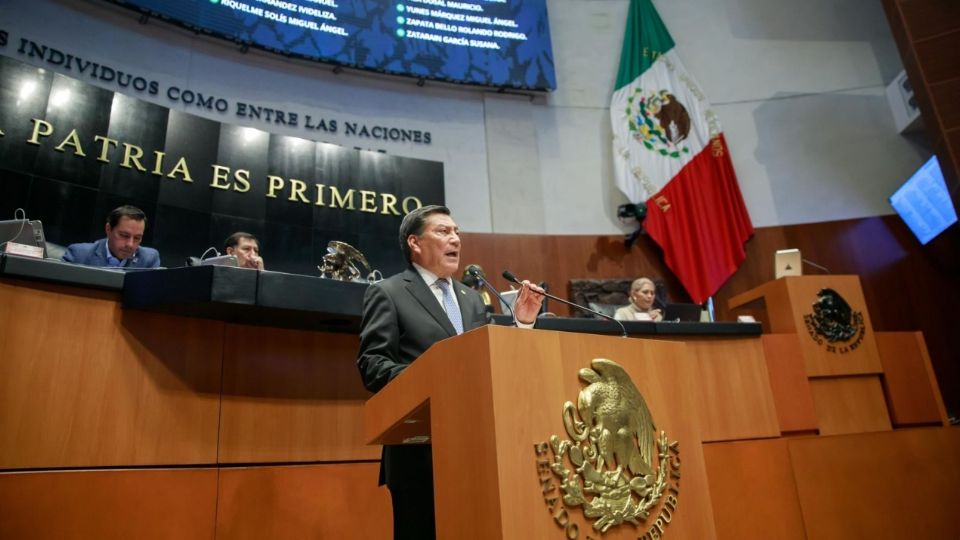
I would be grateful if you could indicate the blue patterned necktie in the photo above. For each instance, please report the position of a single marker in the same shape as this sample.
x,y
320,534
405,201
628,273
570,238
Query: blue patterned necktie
x,y
453,312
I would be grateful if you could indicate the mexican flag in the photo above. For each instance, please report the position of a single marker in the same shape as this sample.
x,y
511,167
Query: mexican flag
x,y
669,151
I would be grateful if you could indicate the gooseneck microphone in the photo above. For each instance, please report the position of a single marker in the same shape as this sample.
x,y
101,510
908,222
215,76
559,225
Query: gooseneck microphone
x,y
209,249
475,273
815,265
508,275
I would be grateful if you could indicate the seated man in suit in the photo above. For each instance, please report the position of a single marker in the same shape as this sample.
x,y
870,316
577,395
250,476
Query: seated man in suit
x,y
403,316
246,248
640,308
121,248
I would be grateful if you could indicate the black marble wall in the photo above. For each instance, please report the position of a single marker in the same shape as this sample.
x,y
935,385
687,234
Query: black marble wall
x,y
107,149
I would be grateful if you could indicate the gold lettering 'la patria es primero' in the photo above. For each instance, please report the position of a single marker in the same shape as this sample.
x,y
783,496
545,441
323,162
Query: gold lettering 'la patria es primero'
x,y
157,163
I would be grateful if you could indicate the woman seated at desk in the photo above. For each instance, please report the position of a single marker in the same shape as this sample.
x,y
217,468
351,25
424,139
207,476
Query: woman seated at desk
x,y
640,308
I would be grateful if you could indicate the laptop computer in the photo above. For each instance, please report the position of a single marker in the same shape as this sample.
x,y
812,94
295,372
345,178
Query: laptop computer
x,y
220,260
787,262
509,298
682,313
22,231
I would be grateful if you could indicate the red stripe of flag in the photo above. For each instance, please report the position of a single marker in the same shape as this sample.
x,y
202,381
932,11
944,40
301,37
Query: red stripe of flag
x,y
700,222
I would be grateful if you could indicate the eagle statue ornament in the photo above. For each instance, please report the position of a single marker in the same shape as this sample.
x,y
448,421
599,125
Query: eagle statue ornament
x,y
612,407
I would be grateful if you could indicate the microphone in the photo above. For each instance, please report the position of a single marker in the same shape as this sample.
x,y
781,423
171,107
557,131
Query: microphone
x,y
209,249
472,270
815,265
508,275
23,224
216,260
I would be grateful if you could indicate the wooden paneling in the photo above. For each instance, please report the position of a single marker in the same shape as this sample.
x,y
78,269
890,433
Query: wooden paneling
x,y
770,304
306,501
947,97
558,259
929,18
790,300
849,405
291,395
855,356
937,66
953,144
788,383
107,505
908,380
733,389
753,491
84,383
115,386
905,288
899,484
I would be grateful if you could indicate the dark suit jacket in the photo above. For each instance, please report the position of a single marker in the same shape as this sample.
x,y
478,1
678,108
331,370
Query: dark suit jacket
x,y
402,319
93,254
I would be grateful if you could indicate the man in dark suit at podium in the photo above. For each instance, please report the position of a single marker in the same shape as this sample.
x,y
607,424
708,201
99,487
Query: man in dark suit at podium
x,y
402,317
121,248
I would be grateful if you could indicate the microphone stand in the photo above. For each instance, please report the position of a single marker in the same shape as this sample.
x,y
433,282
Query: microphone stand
x,y
473,272
815,265
508,275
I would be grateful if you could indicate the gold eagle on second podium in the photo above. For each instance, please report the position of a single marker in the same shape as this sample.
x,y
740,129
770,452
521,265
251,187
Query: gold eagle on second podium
x,y
614,412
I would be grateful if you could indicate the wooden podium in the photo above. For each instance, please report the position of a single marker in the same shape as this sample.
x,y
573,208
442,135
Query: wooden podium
x,y
789,310
491,399
858,384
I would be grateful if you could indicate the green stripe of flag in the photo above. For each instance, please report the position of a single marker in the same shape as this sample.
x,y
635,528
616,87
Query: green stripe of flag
x,y
645,39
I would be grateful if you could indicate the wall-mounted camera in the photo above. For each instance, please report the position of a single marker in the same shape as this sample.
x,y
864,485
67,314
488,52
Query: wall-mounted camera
x,y
632,213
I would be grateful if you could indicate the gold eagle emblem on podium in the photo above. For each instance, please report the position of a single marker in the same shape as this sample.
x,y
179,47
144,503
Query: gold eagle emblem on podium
x,y
614,464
